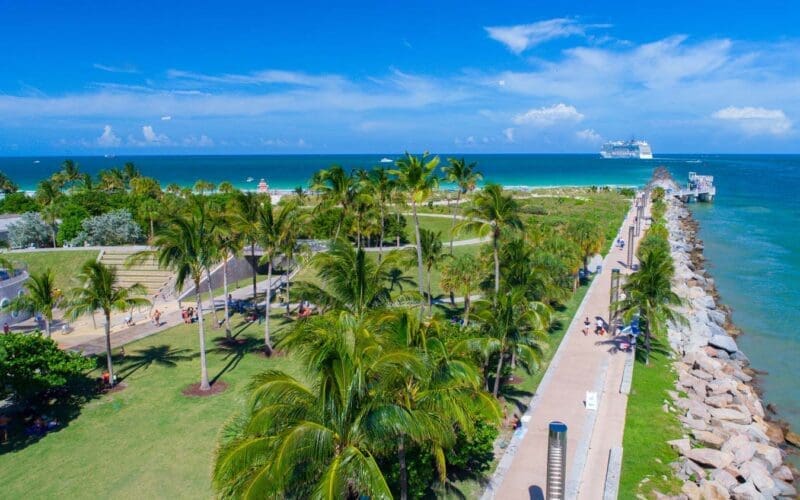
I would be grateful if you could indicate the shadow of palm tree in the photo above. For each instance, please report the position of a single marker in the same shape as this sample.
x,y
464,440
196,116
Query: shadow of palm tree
x,y
657,347
160,355
234,353
516,396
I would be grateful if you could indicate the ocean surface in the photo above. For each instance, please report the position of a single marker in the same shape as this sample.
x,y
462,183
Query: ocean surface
x,y
751,232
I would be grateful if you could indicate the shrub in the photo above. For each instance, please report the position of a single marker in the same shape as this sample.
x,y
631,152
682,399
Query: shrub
x,y
72,217
31,364
17,203
474,454
114,228
29,230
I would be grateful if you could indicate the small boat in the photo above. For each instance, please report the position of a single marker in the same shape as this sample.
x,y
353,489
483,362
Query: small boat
x,y
36,161
250,179
110,156
386,160
694,161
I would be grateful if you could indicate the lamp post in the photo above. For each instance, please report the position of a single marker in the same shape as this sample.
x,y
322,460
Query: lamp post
x,y
630,245
614,296
556,460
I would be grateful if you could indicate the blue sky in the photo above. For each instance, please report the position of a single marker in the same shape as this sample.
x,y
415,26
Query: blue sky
x,y
305,77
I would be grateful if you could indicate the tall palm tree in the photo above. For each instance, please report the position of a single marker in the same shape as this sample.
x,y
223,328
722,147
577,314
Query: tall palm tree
x,y
150,209
466,177
319,438
462,274
42,297
350,280
362,201
382,186
648,294
48,195
182,244
225,187
69,173
589,237
7,186
336,188
273,228
98,291
491,212
431,244
246,213
228,243
202,187
515,326
417,177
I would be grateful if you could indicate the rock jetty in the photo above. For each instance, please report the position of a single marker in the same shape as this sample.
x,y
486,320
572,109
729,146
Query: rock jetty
x,y
730,449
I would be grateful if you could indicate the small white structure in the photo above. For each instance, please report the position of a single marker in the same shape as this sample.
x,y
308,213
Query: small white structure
x,y
263,187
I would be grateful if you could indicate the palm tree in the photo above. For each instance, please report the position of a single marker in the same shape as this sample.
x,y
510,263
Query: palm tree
x,y
648,294
228,243
362,201
417,177
272,231
48,195
431,244
382,187
50,216
182,244
98,291
69,173
466,177
246,214
150,209
7,186
337,188
42,297
319,438
514,325
350,280
462,274
589,237
202,187
491,212
226,187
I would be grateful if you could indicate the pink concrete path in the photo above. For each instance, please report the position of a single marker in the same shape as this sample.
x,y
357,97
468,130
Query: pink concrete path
x,y
583,363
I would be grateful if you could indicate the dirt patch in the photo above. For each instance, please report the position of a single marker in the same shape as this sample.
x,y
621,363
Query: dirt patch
x,y
194,390
271,354
121,386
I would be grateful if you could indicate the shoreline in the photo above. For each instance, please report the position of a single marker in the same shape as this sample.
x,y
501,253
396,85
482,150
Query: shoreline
x,y
742,447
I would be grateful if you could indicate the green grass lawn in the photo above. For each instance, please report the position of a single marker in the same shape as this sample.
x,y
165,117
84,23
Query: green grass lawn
x,y
436,224
149,440
648,427
65,264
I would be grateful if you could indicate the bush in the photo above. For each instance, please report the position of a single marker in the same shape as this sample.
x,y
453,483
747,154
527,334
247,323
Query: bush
x,y
30,230
72,217
31,364
420,469
113,228
18,203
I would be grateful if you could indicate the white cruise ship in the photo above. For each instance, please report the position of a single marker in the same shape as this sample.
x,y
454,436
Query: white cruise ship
x,y
627,149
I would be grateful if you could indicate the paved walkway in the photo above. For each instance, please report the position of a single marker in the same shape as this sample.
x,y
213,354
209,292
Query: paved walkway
x,y
582,363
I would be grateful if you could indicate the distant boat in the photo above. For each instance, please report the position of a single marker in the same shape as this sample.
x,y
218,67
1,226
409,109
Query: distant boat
x,y
36,161
627,149
386,160
110,156
250,179
694,161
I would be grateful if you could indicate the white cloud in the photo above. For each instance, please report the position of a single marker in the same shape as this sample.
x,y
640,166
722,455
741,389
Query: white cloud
x,y
151,137
588,135
166,118
508,134
125,68
524,36
203,141
756,120
264,77
108,138
547,116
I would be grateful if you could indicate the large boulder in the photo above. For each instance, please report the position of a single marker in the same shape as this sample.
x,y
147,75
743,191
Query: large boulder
x,y
756,472
710,439
712,490
680,445
769,454
725,342
731,415
708,457
725,478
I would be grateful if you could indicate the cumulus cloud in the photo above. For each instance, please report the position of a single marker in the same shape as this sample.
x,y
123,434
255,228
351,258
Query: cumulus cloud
x,y
756,120
549,115
108,138
203,141
508,134
588,135
521,37
151,137
166,118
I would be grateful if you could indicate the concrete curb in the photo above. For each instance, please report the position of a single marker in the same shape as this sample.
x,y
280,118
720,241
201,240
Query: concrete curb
x,y
611,489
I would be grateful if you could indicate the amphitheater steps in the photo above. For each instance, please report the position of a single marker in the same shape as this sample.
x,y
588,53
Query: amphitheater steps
x,y
147,273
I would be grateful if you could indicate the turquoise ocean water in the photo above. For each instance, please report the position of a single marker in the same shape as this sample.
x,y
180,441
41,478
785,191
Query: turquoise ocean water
x,y
751,232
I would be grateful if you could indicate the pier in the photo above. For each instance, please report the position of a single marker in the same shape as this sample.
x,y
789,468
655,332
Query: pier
x,y
699,188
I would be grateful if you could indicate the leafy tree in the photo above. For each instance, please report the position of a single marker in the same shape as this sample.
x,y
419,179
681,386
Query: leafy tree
x,y
29,230
32,364
416,176
466,177
18,203
589,237
336,188
42,297
490,213
114,228
72,217
98,291
474,454
7,186
145,187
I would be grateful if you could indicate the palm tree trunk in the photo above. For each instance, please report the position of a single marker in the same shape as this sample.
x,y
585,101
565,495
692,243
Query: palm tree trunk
x,y
397,236
211,297
201,333
267,298
225,294
152,229
419,251
497,374
255,270
47,327
53,227
380,243
467,304
401,457
496,270
453,225
513,359
430,293
109,363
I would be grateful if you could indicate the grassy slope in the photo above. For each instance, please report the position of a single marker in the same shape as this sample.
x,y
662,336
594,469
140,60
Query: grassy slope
x,y
65,264
646,453
147,441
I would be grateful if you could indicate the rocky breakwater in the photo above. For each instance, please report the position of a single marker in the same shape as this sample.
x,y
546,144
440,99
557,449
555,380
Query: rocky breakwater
x,y
730,449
